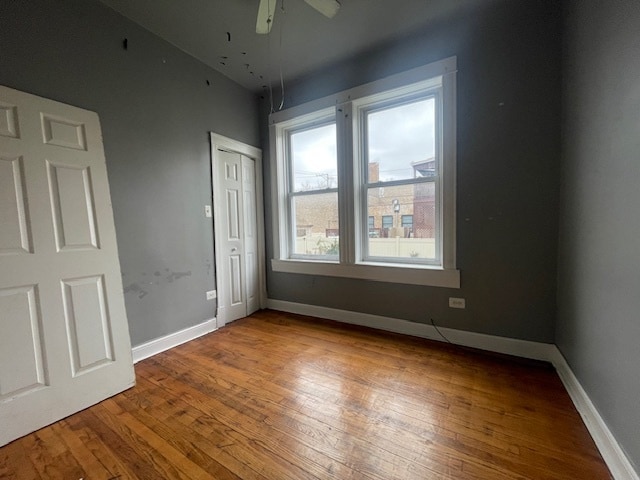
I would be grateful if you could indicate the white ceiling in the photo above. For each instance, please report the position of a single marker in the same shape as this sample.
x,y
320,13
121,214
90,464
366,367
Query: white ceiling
x,y
301,40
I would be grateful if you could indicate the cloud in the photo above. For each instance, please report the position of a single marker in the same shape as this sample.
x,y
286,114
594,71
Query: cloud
x,y
400,135
315,157
397,136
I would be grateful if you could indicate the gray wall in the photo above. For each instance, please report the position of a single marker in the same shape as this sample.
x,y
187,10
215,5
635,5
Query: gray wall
x,y
156,110
598,326
508,162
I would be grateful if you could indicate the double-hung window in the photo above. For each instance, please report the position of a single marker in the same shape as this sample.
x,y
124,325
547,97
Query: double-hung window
x,y
363,181
312,189
398,134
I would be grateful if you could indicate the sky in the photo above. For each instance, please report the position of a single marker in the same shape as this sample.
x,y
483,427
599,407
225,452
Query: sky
x,y
315,158
396,137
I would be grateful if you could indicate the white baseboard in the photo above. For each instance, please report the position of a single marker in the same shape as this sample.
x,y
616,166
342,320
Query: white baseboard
x,y
610,449
611,452
509,346
161,344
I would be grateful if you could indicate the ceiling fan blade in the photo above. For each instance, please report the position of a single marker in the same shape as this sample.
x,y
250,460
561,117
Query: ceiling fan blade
x,y
328,8
266,10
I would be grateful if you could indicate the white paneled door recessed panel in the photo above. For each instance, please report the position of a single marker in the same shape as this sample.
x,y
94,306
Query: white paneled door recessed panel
x,y
14,234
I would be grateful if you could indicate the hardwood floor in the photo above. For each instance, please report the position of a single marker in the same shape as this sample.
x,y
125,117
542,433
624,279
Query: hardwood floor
x,y
278,396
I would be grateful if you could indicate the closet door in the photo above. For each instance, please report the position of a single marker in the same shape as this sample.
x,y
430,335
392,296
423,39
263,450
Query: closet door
x,y
238,228
252,276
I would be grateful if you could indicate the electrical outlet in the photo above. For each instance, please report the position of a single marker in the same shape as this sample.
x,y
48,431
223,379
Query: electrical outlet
x,y
211,295
207,211
457,302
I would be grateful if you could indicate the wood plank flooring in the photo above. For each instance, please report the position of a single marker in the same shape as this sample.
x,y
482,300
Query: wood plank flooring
x,y
279,396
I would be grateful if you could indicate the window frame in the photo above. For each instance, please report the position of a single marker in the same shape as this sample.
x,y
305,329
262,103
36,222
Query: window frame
x,y
353,221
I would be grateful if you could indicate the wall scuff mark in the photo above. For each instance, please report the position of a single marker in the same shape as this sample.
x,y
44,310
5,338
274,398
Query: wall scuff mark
x,y
135,288
138,288
178,275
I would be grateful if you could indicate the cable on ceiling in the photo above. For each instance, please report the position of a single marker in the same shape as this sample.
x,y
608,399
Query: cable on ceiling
x,y
280,55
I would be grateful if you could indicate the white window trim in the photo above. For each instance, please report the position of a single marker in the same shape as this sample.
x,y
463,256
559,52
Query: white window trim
x,y
444,275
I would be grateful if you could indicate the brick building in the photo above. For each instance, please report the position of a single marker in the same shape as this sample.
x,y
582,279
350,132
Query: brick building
x,y
406,211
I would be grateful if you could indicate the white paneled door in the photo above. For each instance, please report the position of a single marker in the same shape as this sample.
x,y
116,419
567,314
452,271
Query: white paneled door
x,y
250,234
237,253
64,339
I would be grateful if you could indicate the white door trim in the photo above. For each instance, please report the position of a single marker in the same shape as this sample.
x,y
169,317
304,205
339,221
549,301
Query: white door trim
x,y
254,153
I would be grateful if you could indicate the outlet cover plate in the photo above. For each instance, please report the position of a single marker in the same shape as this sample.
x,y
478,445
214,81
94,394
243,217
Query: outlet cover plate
x,y
211,295
457,302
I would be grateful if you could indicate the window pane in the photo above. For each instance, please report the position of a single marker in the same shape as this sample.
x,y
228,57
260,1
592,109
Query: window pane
x,y
407,221
407,216
314,158
401,141
316,229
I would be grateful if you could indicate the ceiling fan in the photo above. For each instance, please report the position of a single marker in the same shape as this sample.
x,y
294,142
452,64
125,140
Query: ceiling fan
x,y
267,10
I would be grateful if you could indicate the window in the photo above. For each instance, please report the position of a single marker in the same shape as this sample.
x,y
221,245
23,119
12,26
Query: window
x,y
380,154
373,231
313,190
399,141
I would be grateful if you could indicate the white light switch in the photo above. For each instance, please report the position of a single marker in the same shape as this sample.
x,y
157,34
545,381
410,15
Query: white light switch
x,y
207,211
211,295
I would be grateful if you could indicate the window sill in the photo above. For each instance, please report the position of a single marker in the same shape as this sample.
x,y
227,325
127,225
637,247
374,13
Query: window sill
x,y
412,275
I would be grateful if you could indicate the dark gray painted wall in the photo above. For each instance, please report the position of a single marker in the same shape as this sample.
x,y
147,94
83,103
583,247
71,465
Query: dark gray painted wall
x,y
508,161
598,327
156,110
